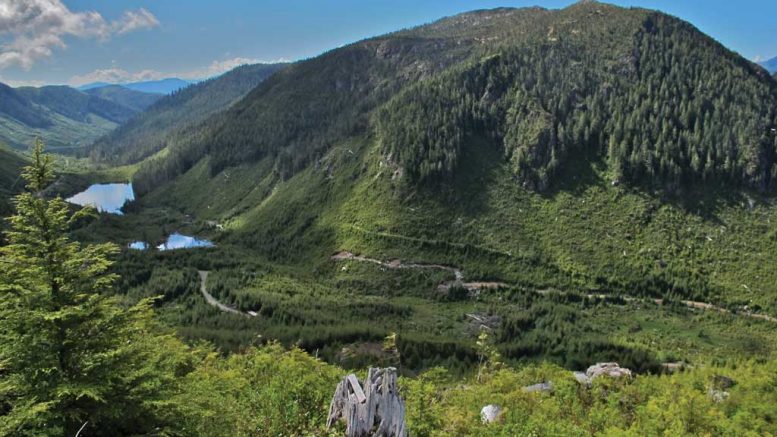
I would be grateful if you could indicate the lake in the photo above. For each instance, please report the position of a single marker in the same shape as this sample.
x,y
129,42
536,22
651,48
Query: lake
x,y
138,245
105,197
180,241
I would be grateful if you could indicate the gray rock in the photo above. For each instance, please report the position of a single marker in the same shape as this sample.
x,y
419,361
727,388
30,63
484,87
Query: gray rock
x,y
613,370
490,413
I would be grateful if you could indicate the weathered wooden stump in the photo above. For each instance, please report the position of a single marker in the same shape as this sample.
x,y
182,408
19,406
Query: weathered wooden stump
x,y
375,410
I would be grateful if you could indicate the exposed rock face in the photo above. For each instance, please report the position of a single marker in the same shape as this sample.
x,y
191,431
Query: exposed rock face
x,y
490,413
376,410
613,370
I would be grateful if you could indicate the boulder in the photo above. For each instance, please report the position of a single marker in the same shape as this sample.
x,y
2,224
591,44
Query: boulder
x,y
490,413
612,370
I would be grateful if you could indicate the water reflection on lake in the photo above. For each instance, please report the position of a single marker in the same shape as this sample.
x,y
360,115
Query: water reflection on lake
x,y
105,197
180,241
138,245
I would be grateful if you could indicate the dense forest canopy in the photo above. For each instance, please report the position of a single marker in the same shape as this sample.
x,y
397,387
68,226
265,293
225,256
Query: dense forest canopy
x,y
157,127
661,103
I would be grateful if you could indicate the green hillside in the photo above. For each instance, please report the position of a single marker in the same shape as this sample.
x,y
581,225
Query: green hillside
x,y
66,118
135,100
486,203
544,85
174,115
526,148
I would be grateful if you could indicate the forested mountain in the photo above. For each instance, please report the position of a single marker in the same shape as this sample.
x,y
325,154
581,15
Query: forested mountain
x,y
593,150
486,203
174,115
65,117
661,103
135,100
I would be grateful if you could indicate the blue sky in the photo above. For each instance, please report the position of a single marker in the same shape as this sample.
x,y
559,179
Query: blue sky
x,y
77,41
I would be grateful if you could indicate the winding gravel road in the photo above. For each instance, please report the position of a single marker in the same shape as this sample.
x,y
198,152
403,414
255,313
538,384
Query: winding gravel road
x,y
212,300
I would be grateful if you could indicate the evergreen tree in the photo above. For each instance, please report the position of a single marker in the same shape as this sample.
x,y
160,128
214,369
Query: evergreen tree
x,y
70,356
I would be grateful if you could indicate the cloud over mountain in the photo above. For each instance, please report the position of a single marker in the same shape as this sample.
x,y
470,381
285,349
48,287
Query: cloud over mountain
x,y
30,30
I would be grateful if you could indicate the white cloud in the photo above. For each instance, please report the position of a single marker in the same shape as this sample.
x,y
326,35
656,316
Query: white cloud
x,y
118,75
135,20
115,75
30,30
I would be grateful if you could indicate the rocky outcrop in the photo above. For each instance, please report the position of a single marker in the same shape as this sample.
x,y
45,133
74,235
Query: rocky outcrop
x,y
612,370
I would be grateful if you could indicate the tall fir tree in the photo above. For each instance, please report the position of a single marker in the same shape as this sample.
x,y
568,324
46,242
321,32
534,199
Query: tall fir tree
x,y
70,355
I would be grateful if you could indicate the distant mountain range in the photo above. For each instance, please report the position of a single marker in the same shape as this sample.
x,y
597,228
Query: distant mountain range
x,y
770,65
136,100
150,131
65,118
163,86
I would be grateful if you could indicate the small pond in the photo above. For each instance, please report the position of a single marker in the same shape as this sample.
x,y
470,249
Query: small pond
x,y
105,197
138,245
180,241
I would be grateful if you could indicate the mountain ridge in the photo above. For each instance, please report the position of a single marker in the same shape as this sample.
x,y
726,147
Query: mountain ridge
x,y
146,134
161,86
493,33
136,100
65,117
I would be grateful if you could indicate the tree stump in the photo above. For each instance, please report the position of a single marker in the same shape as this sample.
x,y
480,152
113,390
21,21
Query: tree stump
x,y
374,410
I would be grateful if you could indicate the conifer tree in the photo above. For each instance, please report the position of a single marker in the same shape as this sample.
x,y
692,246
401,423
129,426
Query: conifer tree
x,y
70,356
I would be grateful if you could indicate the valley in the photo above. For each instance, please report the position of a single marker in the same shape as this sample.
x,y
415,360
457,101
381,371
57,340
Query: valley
x,y
296,245
486,203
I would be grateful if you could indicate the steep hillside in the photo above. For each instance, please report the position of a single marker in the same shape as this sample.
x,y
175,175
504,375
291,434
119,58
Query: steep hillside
x,y
64,117
171,116
135,100
554,159
542,84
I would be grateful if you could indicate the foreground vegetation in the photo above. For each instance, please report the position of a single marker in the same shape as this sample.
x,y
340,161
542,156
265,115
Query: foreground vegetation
x,y
558,182
116,370
546,151
75,358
